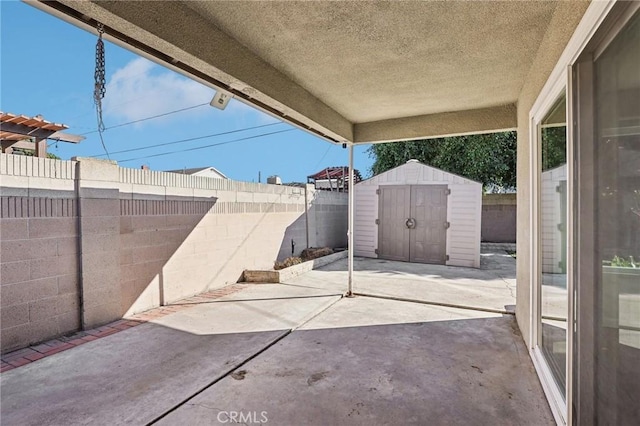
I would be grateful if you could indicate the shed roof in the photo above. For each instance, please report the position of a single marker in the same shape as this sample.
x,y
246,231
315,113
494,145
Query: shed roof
x,y
448,176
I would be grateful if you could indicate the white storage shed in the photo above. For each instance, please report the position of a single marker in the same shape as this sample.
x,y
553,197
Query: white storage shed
x,y
553,220
417,213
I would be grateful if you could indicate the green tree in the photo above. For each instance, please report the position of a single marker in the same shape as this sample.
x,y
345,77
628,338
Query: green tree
x,y
490,159
554,147
31,153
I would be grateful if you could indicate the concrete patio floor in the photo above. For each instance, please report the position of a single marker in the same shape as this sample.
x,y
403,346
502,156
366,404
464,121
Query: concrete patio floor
x,y
491,288
300,354
367,361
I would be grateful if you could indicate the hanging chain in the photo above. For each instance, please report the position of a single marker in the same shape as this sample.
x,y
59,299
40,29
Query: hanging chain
x,y
100,83
99,76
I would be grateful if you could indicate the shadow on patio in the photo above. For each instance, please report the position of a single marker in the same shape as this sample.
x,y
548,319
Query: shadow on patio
x,y
302,360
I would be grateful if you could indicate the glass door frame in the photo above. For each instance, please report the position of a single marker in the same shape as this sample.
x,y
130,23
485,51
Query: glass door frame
x,y
558,400
565,77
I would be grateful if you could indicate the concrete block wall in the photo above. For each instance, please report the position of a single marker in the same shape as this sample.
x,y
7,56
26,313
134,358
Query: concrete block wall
x,y
181,235
330,216
165,257
85,242
38,251
327,219
99,203
499,212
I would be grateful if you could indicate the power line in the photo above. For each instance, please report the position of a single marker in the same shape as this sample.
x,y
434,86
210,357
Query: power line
x,y
137,99
206,146
324,155
147,118
189,139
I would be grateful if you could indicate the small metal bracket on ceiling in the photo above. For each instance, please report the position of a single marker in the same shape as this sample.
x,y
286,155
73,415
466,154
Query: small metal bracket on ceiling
x,y
221,99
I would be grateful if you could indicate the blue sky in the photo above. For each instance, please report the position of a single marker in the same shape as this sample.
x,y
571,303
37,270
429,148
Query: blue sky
x,y
47,68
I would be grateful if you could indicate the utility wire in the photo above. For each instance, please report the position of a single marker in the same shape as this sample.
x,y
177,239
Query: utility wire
x,y
324,155
147,118
206,146
137,99
189,139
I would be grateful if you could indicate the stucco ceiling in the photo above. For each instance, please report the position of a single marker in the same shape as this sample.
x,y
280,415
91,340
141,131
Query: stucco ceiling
x,y
373,61
346,70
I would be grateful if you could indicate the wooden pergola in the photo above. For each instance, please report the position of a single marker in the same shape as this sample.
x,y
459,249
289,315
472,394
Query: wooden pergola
x,y
32,133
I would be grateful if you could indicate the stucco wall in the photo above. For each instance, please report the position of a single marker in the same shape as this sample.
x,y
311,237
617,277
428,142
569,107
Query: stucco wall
x,y
85,242
563,24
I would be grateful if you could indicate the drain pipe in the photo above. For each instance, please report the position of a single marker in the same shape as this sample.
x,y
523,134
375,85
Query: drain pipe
x,y
350,232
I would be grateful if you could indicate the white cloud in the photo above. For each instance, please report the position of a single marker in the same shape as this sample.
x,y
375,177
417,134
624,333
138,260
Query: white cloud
x,y
142,89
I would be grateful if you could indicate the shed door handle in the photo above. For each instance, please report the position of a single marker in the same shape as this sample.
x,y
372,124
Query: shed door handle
x,y
410,223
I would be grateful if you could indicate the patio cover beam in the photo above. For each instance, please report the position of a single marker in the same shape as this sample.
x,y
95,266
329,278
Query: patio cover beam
x,y
477,121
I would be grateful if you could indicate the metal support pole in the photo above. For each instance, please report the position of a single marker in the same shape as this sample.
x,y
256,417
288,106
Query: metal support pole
x,y
352,191
306,214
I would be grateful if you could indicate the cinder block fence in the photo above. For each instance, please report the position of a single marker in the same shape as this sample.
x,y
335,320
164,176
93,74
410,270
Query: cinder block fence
x,y
499,218
85,242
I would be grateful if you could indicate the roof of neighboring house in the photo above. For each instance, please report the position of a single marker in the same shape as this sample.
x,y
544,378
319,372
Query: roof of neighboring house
x,y
196,170
188,171
335,173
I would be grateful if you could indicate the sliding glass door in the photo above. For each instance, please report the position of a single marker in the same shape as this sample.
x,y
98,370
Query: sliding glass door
x,y
551,289
607,144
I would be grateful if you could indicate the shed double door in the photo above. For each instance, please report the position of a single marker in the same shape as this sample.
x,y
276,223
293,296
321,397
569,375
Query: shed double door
x,y
413,223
